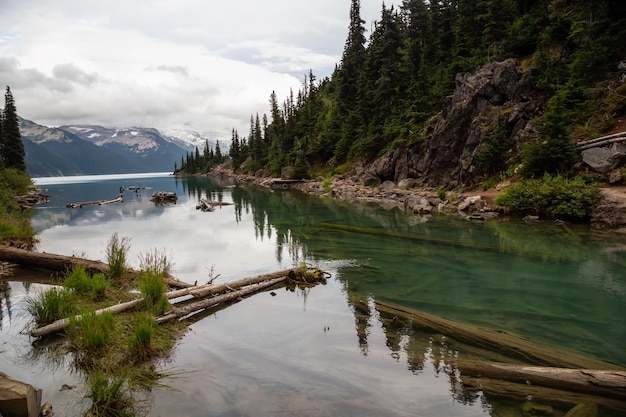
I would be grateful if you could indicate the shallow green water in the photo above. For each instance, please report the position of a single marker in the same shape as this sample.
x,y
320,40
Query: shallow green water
x,y
316,352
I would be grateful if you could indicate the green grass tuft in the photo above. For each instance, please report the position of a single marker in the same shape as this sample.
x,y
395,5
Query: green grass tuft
x,y
110,395
117,255
92,331
153,288
49,306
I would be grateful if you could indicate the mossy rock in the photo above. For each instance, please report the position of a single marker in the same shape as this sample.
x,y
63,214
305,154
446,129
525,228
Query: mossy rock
x,y
536,410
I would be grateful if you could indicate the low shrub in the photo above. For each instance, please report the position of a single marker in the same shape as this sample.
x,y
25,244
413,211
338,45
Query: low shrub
x,y
551,197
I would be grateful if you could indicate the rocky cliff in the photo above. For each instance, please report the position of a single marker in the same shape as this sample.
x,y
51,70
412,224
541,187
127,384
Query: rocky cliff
x,y
497,99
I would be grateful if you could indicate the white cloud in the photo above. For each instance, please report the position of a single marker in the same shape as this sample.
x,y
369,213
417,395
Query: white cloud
x,y
165,64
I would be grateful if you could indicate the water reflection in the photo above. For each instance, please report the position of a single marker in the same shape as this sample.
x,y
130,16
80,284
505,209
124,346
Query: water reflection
x,y
561,286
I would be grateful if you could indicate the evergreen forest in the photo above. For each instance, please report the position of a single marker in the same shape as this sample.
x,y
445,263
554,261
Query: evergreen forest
x,y
393,78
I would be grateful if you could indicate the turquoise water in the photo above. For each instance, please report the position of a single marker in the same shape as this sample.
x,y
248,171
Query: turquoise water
x,y
318,352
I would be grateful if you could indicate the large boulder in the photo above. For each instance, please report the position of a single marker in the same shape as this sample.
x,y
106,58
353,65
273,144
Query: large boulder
x,y
18,399
604,159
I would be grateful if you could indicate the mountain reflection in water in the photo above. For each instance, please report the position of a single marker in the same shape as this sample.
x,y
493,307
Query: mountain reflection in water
x,y
330,350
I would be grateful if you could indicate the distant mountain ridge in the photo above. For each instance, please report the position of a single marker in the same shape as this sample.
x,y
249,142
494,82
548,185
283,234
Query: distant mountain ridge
x,y
91,149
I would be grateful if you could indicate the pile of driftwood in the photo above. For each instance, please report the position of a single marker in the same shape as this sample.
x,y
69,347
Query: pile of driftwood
x,y
162,197
118,199
187,299
209,205
205,296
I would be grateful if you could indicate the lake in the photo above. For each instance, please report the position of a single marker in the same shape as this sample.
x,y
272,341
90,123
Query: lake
x,y
317,352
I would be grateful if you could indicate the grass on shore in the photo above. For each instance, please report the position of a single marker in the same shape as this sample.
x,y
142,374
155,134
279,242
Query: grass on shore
x,y
116,354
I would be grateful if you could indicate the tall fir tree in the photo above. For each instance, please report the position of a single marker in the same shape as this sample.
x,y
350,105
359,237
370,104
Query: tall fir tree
x,y
11,147
350,84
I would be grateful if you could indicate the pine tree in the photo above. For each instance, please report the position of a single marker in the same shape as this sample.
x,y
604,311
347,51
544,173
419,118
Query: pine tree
x,y
11,146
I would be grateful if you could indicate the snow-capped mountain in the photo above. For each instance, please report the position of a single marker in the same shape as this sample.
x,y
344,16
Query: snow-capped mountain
x,y
198,139
92,149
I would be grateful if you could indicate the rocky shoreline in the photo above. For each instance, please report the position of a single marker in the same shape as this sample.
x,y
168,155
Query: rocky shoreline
x,y
477,206
609,213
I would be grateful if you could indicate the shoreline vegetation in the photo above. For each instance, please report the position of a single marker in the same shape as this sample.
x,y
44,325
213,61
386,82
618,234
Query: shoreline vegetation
x,y
552,198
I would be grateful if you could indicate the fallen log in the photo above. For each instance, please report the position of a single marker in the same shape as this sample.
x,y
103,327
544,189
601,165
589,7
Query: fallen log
x,y
213,301
62,263
601,139
606,383
61,324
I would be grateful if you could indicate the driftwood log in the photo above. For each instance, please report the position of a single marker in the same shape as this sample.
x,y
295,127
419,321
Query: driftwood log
x,y
601,141
62,263
219,299
117,199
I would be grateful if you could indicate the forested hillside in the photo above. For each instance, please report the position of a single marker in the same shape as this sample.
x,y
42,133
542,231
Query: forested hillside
x,y
392,84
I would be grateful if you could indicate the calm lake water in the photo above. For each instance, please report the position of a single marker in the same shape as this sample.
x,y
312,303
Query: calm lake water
x,y
318,352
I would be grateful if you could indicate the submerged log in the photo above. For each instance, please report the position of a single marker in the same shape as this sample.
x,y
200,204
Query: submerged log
x,y
509,345
604,383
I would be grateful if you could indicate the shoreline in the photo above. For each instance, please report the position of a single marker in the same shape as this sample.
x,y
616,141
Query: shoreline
x,y
609,212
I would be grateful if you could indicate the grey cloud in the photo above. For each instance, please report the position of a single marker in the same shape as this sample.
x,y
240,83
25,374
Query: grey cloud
x,y
8,66
174,69
71,73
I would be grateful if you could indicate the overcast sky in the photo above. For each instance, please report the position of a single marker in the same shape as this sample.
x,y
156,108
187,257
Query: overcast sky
x,y
197,64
